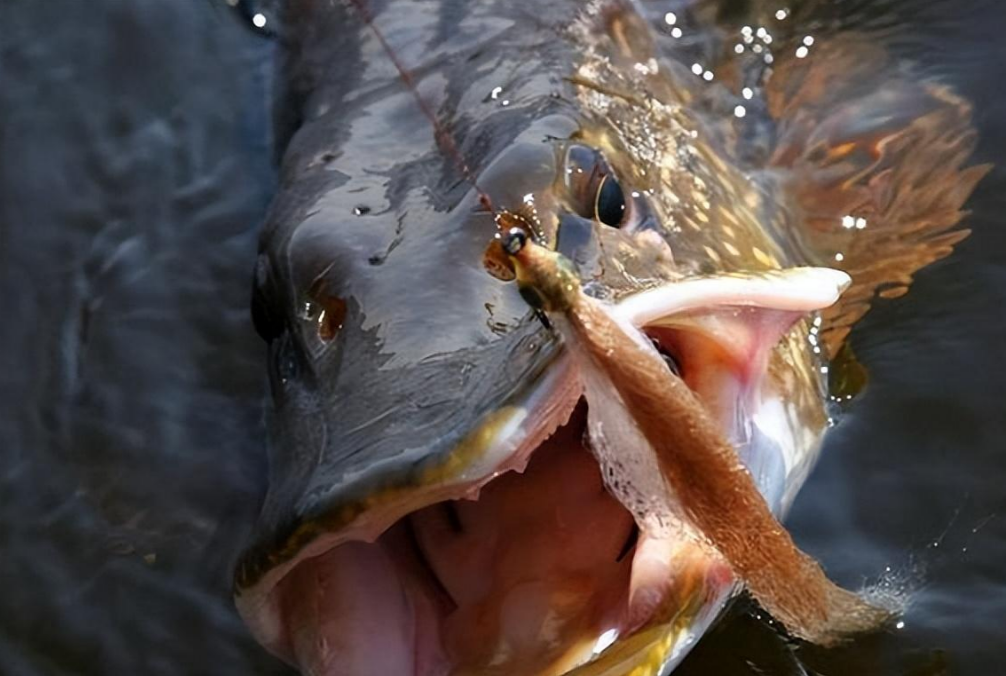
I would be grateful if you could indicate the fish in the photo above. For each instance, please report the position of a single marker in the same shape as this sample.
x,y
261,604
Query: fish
x,y
451,492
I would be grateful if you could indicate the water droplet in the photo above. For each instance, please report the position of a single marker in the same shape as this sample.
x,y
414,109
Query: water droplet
x,y
747,93
781,14
740,111
309,310
900,624
739,48
494,94
802,52
809,40
670,18
259,20
839,257
676,32
697,68
708,76
848,222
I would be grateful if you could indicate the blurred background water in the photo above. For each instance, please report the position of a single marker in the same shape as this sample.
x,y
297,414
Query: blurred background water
x,y
135,168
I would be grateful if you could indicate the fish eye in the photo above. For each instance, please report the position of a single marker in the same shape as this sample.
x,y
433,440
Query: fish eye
x,y
609,205
594,191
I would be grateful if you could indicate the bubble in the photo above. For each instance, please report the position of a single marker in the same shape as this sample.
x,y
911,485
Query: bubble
x,y
895,588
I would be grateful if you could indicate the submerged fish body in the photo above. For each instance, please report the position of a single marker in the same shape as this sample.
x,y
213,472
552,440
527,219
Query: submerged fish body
x,y
433,506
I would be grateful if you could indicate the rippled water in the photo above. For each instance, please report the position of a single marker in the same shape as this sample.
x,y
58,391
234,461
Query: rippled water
x,y
135,166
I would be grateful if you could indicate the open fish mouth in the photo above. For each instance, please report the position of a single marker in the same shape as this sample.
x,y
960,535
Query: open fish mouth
x,y
524,557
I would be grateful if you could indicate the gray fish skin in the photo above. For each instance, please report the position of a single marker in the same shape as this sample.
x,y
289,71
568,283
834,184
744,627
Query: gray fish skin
x,y
430,343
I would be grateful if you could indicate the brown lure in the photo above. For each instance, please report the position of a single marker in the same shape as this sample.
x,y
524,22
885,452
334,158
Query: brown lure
x,y
700,465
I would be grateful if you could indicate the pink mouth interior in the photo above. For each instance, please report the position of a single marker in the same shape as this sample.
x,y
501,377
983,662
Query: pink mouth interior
x,y
524,580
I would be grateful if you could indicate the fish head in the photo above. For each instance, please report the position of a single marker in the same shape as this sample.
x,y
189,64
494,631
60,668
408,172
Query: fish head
x,y
433,507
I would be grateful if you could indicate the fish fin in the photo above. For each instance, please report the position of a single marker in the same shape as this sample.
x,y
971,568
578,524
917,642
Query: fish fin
x,y
875,161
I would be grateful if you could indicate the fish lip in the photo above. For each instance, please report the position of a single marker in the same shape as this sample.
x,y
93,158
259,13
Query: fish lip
x,y
555,395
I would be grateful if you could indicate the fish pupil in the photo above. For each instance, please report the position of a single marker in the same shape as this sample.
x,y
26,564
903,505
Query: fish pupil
x,y
610,206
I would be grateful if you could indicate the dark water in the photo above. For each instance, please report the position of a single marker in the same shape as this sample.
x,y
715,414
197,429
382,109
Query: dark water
x,y
135,167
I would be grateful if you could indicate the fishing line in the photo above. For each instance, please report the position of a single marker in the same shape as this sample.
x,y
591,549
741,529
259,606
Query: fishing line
x,y
442,136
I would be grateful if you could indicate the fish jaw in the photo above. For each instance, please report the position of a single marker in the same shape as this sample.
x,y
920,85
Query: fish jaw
x,y
673,586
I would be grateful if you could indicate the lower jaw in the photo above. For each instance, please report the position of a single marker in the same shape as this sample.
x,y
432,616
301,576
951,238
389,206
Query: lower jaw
x,y
536,577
